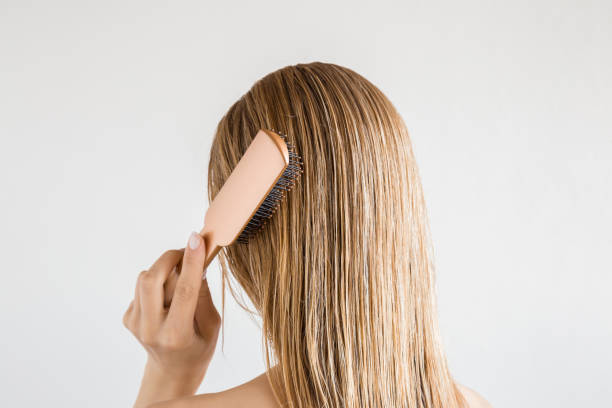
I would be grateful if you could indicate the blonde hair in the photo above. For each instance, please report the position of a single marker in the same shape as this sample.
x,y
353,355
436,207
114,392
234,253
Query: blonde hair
x,y
342,274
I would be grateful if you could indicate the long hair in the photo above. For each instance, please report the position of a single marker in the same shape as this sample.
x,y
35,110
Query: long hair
x,y
342,274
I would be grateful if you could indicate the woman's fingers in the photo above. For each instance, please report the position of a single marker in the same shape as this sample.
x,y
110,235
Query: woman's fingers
x,y
207,317
151,284
165,263
185,299
170,285
131,317
146,316
137,290
127,316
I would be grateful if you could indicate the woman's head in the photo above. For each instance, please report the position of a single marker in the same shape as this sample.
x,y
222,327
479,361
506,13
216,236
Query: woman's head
x,y
341,274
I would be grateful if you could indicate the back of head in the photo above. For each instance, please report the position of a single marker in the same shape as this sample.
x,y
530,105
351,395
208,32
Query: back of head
x,y
342,273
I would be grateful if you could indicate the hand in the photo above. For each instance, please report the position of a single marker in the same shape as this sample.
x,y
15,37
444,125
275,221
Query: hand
x,y
180,339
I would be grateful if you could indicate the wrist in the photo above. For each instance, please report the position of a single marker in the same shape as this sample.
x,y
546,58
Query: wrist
x,y
161,384
178,378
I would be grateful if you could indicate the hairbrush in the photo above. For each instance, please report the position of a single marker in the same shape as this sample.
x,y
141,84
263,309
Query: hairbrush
x,y
253,191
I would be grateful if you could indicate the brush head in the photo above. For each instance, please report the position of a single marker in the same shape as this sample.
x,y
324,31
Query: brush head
x,y
254,190
277,193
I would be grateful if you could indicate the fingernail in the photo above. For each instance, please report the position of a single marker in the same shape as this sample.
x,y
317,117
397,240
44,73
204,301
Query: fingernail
x,y
194,240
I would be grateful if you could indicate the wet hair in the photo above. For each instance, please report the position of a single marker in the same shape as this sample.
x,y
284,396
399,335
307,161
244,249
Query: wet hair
x,y
342,274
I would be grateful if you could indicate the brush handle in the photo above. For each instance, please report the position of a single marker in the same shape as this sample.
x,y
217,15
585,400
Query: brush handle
x,y
212,247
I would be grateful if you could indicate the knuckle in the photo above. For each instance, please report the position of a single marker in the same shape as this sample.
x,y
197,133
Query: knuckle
x,y
169,253
147,280
216,320
192,262
214,330
149,339
140,277
126,320
172,340
127,317
130,326
184,292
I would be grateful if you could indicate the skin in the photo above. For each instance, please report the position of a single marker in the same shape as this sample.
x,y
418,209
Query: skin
x,y
172,315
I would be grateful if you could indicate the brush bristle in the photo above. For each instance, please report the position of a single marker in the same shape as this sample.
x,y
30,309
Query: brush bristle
x,y
276,195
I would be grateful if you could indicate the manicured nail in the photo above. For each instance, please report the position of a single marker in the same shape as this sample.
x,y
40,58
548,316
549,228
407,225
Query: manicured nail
x,y
194,240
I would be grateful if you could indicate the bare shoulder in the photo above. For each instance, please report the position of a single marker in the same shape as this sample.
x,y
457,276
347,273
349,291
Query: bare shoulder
x,y
256,393
473,399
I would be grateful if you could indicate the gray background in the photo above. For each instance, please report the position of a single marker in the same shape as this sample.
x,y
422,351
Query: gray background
x,y
107,110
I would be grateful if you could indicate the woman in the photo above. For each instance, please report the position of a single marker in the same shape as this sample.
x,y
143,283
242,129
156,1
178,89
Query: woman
x,y
341,275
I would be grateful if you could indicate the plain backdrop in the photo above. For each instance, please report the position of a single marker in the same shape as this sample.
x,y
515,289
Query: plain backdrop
x,y
107,112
